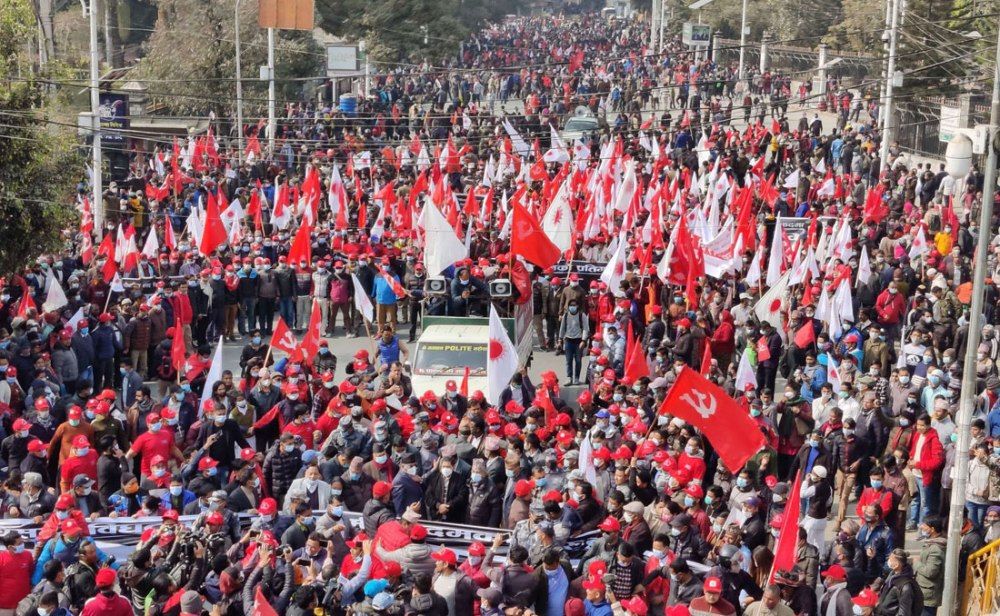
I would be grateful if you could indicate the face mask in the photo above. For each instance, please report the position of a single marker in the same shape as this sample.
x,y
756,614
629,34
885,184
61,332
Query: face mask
x,y
573,309
857,610
717,529
310,484
903,422
155,427
904,380
510,474
337,512
741,482
447,471
307,521
847,432
928,359
74,422
159,472
689,450
381,459
618,397
355,476
476,477
176,490
688,501
212,472
62,515
755,412
288,448
219,420
83,451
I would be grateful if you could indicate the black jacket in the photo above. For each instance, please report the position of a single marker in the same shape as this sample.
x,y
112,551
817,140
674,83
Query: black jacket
x,y
900,596
456,497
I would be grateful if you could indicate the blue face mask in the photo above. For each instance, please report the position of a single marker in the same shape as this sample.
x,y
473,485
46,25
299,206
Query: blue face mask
x,y
84,331
176,490
337,512
741,482
876,484
255,340
212,472
355,476
186,388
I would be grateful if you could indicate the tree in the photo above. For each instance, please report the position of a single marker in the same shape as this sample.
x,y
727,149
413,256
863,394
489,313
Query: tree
x,y
191,64
38,161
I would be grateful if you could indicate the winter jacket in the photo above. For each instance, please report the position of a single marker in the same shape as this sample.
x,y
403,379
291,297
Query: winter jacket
x,y
900,595
280,469
83,348
65,364
106,342
931,456
930,570
138,334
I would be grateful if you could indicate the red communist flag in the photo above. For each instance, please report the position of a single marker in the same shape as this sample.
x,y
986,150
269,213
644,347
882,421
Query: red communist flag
x,y
283,339
706,406
529,240
214,233
260,605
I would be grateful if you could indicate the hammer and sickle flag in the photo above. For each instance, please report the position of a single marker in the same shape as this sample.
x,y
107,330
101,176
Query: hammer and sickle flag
x,y
704,405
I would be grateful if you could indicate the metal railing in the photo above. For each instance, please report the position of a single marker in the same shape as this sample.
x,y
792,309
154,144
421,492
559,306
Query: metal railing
x,y
980,595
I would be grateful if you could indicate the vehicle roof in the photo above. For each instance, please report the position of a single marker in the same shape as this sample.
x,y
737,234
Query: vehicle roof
x,y
455,333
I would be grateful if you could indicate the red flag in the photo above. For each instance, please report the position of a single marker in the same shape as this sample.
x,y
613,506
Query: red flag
x,y
215,232
27,303
169,239
636,366
805,336
529,240
464,387
110,268
283,339
393,283
178,351
260,605
706,406
301,249
706,360
784,551
543,401
310,342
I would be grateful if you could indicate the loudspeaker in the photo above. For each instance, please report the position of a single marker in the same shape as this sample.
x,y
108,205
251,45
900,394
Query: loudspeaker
x,y
435,285
501,288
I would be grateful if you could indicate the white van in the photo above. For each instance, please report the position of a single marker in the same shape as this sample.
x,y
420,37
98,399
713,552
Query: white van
x,y
448,344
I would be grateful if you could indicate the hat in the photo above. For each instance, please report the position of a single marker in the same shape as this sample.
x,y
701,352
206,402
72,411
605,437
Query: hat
x,y
411,516
523,488
820,471
80,441
446,556
866,598
477,549
635,507
610,525
267,506
392,568
21,424
357,540
382,601
712,584
36,445
635,605
554,496
105,577
680,520
247,454
381,488
694,491
753,501
171,514
214,519
418,532
70,528
65,501
191,602
206,463
82,480
594,584
835,572
491,594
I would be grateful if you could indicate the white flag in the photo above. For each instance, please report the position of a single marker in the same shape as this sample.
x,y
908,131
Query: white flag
x,y
214,374
776,259
770,305
614,271
116,284
557,222
864,267
792,180
362,302
442,248
56,298
745,374
501,358
919,246
75,319
152,245
558,152
520,146
586,461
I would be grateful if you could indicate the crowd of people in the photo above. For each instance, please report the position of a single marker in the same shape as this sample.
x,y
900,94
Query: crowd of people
x,y
284,481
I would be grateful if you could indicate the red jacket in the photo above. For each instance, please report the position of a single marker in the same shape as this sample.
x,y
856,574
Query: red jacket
x,y
931,456
871,496
115,605
51,525
890,307
182,308
15,577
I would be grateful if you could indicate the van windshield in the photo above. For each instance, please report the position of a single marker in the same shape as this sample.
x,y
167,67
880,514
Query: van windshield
x,y
433,358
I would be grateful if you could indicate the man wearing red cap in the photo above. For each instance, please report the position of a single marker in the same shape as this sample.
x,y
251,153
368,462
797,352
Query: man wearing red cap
x,y
711,602
107,602
836,596
82,461
14,448
452,584
62,441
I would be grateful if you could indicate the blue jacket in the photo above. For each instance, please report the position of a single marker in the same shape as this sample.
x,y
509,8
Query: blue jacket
x,y
405,492
993,421
383,292
56,547
106,342
597,609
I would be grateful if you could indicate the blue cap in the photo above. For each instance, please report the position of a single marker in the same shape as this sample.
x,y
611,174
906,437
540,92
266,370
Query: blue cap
x,y
602,414
374,587
309,456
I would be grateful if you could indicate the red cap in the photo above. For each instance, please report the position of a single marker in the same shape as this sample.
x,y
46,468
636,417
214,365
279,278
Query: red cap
x,y
866,598
554,496
597,569
378,405
477,549
603,454
713,585
381,488
777,521
585,397
635,605
451,385
105,577
694,491
102,408
80,441
267,506
622,453
610,525
65,501
36,445
564,436
152,418
418,532
206,463
171,514
247,454
215,518
70,527
40,403
594,584
157,460
392,569
523,488
21,424
446,556
835,572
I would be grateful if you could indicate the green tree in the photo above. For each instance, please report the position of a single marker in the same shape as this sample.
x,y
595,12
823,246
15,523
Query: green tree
x,y
190,62
38,160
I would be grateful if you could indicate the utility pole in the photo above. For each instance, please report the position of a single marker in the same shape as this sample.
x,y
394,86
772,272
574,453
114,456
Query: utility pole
x,y
239,88
665,13
968,395
97,178
272,125
886,110
743,41
654,25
